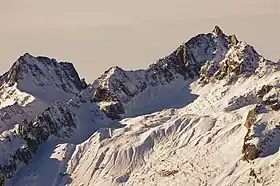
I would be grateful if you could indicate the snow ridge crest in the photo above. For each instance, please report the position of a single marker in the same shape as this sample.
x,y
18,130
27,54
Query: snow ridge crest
x,y
206,59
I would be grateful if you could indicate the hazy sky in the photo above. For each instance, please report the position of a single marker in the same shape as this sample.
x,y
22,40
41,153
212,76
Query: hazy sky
x,y
97,34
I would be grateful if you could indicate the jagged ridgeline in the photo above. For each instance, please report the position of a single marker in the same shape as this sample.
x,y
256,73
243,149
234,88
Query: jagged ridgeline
x,y
27,90
199,91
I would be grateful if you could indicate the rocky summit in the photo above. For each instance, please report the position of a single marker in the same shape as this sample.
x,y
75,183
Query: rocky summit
x,y
206,114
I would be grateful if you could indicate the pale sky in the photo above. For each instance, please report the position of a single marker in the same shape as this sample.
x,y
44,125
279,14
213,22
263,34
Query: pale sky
x,y
97,34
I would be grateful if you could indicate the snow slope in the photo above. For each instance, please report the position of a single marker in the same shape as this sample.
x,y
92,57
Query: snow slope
x,y
207,114
200,144
31,85
73,121
145,91
26,90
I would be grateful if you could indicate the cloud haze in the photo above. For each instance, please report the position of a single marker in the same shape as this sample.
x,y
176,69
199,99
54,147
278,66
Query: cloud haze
x,y
132,34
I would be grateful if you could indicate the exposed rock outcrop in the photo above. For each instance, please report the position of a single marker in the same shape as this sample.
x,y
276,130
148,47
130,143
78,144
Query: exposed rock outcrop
x,y
262,124
81,109
57,121
186,62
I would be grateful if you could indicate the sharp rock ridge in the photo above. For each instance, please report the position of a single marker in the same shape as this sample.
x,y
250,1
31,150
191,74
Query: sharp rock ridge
x,y
207,59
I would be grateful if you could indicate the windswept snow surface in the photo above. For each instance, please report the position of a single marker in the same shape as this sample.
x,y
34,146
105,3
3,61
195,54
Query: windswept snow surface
x,y
200,144
31,85
211,118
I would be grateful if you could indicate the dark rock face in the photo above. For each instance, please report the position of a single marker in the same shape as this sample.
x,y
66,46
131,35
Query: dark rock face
x,y
11,115
52,121
11,76
114,110
73,75
250,151
241,61
57,121
218,31
104,94
264,90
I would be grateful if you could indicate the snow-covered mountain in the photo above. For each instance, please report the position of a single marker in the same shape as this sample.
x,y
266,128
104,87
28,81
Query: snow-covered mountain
x,y
32,84
26,90
131,93
39,78
207,114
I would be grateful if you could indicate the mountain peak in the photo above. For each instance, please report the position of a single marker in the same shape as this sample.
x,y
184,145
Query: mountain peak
x,y
218,31
169,106
27,55
28,58
35,75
